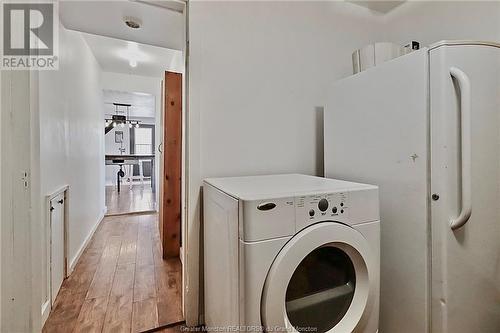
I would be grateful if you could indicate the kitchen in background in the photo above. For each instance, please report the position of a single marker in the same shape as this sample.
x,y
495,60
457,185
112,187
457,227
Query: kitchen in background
x,y
130,132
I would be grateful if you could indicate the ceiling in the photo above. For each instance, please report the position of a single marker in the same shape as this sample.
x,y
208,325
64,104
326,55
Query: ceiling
x,y
114,55
378,6
161,23
143,105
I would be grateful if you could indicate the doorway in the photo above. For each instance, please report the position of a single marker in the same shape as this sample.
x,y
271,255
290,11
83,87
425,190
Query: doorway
x,y
120,277
130,123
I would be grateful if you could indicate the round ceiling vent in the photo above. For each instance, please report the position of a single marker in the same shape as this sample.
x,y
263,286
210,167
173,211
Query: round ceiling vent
x,y
132,22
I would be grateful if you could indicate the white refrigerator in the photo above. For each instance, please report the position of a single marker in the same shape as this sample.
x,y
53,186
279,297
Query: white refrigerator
x,y
425,128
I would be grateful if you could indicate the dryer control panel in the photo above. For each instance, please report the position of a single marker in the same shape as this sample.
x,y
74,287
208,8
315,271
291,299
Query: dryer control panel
x,y
349,207
311,209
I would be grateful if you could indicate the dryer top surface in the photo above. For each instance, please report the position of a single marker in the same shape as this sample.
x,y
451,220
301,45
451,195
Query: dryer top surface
x,y
286,185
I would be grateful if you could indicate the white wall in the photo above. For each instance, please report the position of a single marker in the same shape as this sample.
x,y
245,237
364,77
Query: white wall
x,y
136,83
258,77
259,71
72,138
431,21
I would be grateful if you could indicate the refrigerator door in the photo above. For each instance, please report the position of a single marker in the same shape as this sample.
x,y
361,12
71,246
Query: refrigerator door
x,y
376,130
465,182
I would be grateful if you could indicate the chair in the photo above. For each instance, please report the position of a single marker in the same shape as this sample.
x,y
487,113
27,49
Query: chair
x,y
139,176
147,170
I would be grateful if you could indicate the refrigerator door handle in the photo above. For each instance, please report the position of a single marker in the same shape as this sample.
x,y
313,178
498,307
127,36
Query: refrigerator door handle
x,y
465,113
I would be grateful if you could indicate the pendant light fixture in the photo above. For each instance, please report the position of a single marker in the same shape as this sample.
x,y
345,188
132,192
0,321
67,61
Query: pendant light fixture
x,y
122,120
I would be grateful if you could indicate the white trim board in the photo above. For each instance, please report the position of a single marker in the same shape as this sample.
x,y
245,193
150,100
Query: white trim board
x,y
48,198
45,311
82,248
57,192
47,299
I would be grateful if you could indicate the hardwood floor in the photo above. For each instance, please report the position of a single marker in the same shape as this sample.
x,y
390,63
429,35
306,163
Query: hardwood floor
x,y
130,200
179,329
121,283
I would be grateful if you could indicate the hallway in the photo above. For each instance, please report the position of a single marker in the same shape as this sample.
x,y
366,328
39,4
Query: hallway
x,y
138,198
121,283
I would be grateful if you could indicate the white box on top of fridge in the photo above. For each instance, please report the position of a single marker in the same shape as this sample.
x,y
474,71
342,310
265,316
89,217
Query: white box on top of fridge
x,y
425,128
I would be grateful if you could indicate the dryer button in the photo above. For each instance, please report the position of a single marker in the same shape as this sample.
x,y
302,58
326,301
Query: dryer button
x,y
311,212
323,205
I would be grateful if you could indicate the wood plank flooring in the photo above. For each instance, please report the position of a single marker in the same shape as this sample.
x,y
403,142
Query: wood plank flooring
x,y
179,329
130,200
121,283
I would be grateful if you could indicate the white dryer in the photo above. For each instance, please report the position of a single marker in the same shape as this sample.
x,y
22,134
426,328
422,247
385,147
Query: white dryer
x,y
291,253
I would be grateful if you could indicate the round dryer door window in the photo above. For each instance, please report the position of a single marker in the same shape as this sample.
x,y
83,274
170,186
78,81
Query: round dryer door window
x,y
321,289
320,282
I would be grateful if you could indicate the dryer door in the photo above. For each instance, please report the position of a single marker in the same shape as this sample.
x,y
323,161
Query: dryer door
x,y
320,281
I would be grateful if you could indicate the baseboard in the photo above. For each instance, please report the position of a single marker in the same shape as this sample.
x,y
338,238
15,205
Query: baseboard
x,y
75,259
142,212
45,311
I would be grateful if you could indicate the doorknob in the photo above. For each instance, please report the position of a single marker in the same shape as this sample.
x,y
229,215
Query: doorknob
x,y
51,208
61,201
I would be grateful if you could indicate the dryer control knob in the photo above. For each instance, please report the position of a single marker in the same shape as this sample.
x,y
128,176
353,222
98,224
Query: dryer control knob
x,y
323,205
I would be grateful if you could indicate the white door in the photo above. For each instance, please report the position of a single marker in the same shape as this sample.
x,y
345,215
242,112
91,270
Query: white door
x,y
465,139
319,282
57,260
